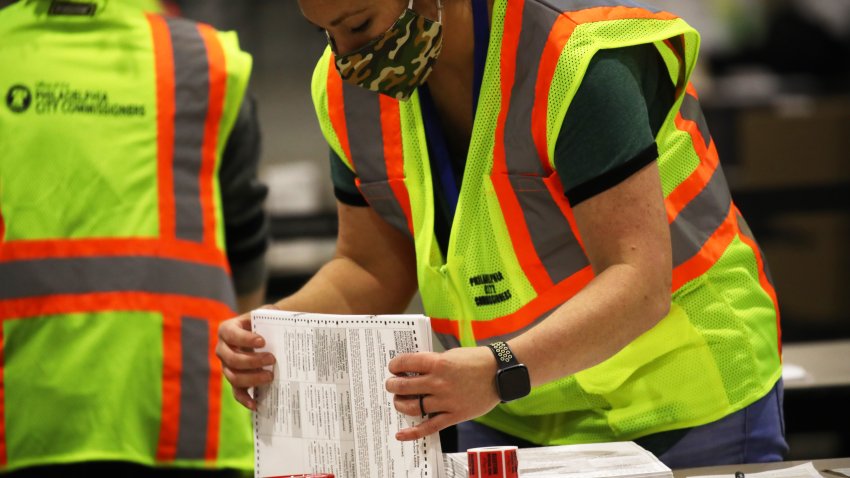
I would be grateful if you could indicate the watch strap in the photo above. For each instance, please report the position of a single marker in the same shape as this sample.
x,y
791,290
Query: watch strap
x,y
504,356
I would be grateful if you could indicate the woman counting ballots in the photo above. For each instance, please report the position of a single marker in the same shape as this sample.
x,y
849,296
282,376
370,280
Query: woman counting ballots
x,y
541,170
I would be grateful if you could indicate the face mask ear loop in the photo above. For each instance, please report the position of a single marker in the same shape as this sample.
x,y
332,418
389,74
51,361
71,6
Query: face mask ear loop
x,y
439,10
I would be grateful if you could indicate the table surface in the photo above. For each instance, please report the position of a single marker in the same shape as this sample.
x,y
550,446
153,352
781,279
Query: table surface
x,y
820,466
827,363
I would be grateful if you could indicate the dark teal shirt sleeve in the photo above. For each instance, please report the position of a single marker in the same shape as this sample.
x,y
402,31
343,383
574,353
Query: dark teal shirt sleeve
x,y
609,130
345,187
246,224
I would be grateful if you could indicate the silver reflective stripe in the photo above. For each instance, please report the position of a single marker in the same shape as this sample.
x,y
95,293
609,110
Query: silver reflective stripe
x,y
574,5
194,388
448,341
745,230
191,102
34,278
700,218
692,111
554,242
537,23
366,140
381,198
553,239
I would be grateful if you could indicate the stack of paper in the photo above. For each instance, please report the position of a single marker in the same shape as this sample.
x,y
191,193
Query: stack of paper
x,y
598,460
327,410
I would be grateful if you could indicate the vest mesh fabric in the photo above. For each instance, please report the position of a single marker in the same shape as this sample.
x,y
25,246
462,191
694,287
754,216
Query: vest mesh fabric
x,y
714,353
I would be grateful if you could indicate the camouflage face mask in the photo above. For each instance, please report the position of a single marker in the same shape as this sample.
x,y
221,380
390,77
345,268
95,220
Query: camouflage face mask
x,y
397,61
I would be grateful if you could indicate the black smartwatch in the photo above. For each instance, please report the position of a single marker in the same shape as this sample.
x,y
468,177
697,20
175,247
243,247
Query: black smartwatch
x,y
512,380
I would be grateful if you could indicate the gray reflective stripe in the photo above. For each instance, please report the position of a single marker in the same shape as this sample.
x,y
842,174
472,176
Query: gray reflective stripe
x,y
537,22
551,235
34,278
365,138
448,341
745,230
194,388
692,111
574,5
700,218
553,239
191,101
381,197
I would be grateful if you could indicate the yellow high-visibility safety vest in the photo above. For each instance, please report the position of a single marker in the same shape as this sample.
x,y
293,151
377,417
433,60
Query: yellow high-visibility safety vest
x,y
514,253
113,271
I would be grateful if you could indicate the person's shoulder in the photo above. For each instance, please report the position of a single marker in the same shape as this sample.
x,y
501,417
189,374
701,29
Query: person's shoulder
x,y
320,75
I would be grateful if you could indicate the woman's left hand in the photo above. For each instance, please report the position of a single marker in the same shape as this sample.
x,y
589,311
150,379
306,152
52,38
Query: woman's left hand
x,y
456,385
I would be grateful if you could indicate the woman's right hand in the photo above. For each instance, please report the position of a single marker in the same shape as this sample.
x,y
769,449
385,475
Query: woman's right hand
x,y
241,364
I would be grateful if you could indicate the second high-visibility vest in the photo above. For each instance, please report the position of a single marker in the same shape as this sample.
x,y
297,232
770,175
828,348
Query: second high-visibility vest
x,y
113,271
514,253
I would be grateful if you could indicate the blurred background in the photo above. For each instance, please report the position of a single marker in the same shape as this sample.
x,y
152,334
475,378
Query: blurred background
x,y
774,81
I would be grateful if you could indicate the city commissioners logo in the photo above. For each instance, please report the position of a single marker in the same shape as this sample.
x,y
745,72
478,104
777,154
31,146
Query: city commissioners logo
x,y
61,98
18,98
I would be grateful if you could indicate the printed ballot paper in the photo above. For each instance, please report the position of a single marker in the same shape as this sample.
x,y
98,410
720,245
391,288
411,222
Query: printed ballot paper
x,y
594,460
327,410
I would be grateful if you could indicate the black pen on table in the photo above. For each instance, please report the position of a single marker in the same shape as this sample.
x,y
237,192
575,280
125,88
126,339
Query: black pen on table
x,y
739,474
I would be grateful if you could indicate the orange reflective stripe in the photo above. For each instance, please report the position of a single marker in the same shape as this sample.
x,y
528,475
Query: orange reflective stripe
x,y
691,90
558,37
763,279
171,370
394,154
685,192
212,310
514,218
710,252
209,150
164,64
336,109
68,248
445,326
604,14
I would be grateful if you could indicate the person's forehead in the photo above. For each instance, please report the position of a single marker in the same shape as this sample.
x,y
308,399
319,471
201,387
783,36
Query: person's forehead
x,y
333,8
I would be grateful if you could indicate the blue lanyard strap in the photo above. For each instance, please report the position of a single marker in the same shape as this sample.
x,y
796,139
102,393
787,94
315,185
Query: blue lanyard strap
x,y
438,149
437,145
481,30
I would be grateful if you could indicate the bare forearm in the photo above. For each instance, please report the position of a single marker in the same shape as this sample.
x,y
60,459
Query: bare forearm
x,y
615,308
343,287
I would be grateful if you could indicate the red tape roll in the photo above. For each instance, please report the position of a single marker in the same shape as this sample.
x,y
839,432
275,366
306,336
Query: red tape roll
x,y
493,462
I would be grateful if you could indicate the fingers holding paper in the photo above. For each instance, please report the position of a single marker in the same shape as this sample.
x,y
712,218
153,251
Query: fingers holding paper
x,y
455,386
241,365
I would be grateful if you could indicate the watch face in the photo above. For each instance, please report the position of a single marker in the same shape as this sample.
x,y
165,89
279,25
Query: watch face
x,y
513,382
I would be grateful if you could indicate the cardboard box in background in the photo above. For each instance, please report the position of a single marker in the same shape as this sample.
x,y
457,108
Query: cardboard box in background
x,y
809,259
800,141
789,159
